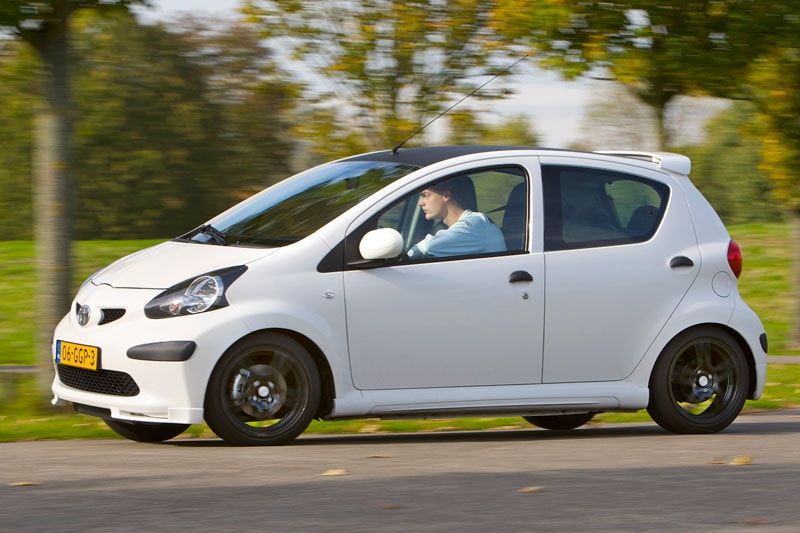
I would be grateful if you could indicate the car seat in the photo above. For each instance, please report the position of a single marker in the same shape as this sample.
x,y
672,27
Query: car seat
x,y
514,218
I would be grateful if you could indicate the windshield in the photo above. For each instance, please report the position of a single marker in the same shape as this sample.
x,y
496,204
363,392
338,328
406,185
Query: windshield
x,y
297,207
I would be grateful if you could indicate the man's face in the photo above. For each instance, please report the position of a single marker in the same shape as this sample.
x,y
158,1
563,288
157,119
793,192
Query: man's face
x,y
433,204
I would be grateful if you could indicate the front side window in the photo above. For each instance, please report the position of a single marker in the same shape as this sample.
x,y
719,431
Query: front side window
x,y
299,206
586,207
476,213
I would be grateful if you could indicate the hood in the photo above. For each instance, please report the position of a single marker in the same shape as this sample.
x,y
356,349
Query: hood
x,y
168,263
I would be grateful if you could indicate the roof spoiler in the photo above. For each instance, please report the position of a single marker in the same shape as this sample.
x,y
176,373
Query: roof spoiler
x,y
680,164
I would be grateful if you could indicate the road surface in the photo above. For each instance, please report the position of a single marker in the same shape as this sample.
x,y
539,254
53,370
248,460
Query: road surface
x,y
603,477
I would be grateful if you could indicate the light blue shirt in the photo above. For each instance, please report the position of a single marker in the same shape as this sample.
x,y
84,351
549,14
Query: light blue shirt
x,y
472,233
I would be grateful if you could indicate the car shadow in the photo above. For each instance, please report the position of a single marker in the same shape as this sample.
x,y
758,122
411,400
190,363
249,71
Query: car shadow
x,y
768,426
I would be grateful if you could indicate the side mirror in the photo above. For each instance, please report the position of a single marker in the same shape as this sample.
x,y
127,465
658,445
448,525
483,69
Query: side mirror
x,y
384,243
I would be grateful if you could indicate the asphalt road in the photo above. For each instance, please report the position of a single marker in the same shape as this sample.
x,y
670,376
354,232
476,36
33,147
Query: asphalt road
x,y
631,477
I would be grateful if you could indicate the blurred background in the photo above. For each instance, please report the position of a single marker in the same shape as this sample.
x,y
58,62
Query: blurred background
x,y
123,120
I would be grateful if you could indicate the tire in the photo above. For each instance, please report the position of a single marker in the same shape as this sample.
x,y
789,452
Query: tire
x,y
699,383
145,431
560,422
264,391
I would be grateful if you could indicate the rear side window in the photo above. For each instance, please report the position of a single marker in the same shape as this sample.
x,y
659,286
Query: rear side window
x,y
586,207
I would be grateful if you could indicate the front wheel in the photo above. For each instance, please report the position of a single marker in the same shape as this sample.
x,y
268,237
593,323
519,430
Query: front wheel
x,y
264,391
145,431
699,383
560,422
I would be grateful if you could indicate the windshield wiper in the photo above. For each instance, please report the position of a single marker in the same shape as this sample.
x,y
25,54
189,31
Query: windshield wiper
x,y
214,233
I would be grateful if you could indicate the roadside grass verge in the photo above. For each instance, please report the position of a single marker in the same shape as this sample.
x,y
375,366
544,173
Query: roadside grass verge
x,y
18,288
765,285
17,423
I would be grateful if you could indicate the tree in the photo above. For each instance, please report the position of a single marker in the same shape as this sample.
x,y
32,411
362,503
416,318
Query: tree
x,y
146,135
255,99
19,69
656,49
45,26
174,123
725,167
466,128
387,66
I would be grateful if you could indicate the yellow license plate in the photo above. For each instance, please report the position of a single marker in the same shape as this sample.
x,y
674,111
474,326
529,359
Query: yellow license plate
x,y
78,355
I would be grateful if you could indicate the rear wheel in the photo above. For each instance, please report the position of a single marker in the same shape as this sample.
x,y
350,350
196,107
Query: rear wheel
x,y
560,422
145,431
699,383
264,391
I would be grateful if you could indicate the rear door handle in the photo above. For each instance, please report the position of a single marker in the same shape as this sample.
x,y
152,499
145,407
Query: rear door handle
x,y
680,261
520,275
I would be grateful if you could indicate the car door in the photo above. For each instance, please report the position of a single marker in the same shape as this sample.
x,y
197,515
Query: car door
x,y
612,239
459,321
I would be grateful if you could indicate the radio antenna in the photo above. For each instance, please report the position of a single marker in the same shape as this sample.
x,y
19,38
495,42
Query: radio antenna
x,y
440,115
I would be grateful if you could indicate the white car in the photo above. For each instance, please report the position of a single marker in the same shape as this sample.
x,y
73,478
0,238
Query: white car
x,y
339,293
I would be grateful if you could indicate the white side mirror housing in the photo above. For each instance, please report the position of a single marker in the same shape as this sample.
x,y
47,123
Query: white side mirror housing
x,y
384,243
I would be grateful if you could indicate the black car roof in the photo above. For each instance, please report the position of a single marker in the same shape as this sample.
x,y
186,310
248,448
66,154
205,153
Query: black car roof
x,y
429,155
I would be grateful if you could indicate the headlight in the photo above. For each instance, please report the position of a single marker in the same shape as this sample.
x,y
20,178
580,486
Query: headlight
x,y
196,295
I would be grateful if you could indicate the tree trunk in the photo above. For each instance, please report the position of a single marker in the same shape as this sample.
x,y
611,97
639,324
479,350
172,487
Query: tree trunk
x,y
52,191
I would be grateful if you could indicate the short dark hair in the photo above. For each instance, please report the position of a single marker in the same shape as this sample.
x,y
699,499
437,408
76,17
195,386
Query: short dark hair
x,y
461,190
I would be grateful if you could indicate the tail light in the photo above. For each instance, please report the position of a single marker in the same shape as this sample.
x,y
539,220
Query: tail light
x,y
735,258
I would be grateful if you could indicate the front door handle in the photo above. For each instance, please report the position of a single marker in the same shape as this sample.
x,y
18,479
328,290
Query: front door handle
x,y
680,261
520,275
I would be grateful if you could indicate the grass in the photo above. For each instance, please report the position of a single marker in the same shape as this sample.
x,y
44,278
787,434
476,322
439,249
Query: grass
x,y
18,424
18,285
764,285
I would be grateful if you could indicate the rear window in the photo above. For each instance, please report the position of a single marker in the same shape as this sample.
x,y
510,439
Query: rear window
x,y
587,207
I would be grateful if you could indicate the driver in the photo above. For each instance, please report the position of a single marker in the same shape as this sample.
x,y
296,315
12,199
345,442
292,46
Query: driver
x,y
468,231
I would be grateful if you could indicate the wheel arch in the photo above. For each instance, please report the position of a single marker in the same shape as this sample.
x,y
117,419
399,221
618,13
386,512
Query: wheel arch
x,y
328,392
748,352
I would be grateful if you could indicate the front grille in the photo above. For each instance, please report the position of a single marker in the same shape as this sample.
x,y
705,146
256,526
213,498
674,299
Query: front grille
x,y
108,382
110,315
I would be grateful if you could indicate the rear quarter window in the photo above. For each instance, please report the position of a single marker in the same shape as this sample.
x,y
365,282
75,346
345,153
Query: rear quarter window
x,y
587,207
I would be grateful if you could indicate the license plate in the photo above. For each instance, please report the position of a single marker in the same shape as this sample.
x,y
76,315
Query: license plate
x,y
78,355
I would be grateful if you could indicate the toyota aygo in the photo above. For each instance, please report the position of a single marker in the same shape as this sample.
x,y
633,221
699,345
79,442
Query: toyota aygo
x,y
426,282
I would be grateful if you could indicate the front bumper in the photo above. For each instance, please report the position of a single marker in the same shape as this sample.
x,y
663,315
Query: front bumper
x,y
151,370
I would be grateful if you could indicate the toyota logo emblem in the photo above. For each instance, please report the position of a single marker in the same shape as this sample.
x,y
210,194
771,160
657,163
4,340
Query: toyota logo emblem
x,y
83,314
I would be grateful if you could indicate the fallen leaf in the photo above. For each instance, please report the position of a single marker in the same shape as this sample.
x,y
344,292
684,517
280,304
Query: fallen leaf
x,y
753,521
741,460
380,456
530,489
335,472
23,483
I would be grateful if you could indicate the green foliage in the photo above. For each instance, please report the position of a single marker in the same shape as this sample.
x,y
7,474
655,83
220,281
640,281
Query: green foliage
x,y
24,15
170,127
255,101
145,134
18,70
775,82
658,49
726,169
385,66
466,128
